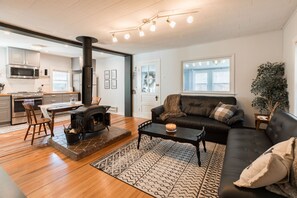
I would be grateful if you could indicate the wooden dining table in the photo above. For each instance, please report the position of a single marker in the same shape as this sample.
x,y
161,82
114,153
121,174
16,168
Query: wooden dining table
x,y
50,110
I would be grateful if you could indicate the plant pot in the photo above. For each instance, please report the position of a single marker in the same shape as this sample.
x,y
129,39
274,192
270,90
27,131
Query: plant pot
x,y
72,138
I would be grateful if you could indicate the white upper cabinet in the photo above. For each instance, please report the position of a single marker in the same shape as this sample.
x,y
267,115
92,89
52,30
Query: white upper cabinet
x,y
17,56
77,64
32,58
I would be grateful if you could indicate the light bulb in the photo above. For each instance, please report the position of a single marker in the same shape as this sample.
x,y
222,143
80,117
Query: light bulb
x,y
172,24
190,19
127,36
153,26
114,39
141,32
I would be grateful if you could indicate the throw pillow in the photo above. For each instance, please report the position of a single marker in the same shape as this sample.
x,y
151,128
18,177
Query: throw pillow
x,y
223,112
271,167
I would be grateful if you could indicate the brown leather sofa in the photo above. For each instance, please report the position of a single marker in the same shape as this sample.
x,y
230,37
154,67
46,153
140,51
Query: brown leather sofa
x,y
198,110
246,145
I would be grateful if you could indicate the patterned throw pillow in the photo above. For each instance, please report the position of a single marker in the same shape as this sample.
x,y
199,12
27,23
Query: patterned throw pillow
x,y
223,112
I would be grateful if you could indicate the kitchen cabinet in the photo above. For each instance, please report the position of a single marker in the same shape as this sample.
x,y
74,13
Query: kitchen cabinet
x,y
17,56
67,97
59,97
52,98
77,64
5,114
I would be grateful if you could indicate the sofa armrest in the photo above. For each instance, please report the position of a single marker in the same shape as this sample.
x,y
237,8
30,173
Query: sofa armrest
x,y
236,121
156,112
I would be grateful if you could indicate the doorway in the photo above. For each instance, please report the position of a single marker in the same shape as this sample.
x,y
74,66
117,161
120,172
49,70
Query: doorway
x,y
148,87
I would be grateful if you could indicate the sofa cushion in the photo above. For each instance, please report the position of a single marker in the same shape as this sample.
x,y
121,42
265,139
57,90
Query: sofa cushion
x,y
203,105
223,112
281,127
269,168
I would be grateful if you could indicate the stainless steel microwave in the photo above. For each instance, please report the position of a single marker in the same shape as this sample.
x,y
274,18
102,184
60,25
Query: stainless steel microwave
x,y
20,71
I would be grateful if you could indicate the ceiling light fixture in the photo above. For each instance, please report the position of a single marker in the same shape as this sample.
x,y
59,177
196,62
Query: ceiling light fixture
x,y
127,36
153,27
141,32
153,20
114,38
190,19
171,23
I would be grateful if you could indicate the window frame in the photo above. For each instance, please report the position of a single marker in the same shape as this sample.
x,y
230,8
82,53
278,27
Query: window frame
x,y
231,76
68,80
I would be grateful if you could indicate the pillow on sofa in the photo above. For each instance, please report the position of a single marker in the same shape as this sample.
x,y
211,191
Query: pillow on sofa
x,y
223,112
271,167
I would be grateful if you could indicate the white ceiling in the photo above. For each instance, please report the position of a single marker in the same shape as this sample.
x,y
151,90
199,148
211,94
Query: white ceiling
x,y
216,20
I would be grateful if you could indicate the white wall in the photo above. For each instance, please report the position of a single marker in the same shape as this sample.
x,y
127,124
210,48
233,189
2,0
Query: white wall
x,y
47,61
249,53
112,97
289,57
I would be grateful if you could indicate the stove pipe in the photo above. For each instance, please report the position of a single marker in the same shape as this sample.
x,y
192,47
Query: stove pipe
x,y
87,70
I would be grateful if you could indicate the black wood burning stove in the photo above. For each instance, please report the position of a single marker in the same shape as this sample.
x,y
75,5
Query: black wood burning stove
x,y
89,118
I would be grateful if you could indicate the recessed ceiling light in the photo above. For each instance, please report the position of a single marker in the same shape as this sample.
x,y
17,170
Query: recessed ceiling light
x,y
114,38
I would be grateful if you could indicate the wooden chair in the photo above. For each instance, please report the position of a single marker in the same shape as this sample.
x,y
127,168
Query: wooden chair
x,y
33,121
96,100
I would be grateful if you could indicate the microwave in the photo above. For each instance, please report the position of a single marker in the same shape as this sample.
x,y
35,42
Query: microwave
x,y
20,71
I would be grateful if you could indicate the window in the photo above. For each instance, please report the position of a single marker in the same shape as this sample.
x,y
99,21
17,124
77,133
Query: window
x,y
208,75
60,80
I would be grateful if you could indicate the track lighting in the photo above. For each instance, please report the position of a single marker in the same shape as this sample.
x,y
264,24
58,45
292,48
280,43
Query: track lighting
x,y
190,19
141,32
171,23
127,36
153,26
114,39
153,21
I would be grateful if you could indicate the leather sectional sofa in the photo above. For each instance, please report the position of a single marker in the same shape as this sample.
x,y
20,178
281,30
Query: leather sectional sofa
x,y
198,110
245,145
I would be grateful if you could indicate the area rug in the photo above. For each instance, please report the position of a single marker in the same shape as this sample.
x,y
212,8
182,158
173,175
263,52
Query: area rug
x,y
163,168
7,129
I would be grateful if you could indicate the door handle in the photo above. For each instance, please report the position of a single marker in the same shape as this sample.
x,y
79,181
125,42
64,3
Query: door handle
x,y
156,98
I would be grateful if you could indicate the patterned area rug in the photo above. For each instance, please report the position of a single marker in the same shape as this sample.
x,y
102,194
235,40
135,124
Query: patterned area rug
x,y
163,168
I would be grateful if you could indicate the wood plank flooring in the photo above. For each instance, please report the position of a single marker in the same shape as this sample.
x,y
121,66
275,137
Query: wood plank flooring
x,y
42,171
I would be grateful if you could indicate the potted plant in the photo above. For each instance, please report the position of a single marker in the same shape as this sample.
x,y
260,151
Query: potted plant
x,y
72,135
270,88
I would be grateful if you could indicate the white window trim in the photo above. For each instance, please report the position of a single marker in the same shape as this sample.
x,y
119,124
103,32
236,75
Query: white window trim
x,y
232,77
52,79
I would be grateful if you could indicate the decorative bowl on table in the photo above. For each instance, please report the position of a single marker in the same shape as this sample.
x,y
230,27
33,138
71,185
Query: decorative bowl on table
x,y
170,128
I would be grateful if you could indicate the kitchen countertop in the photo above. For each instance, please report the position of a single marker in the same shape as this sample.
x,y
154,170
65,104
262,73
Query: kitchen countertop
x,y
3,95
69,92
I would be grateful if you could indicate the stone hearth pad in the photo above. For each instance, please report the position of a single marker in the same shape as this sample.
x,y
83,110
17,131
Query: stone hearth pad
x,y
91,144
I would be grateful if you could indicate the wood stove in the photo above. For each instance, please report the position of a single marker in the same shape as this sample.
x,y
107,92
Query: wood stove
x,y
90,119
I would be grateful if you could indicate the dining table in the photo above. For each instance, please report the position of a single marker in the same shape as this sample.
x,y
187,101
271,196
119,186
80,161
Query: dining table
x,y
50,110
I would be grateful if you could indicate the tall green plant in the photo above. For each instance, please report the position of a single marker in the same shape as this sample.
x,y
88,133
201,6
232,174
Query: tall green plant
x,y
270,87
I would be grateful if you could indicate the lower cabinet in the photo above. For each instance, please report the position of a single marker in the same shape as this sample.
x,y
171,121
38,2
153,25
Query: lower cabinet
x,y
5,114
56,98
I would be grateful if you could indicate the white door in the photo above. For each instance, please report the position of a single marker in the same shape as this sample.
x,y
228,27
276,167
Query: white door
x,y
148,86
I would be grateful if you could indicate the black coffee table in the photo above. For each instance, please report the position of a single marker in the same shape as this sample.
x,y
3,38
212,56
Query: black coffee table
x,y
185,135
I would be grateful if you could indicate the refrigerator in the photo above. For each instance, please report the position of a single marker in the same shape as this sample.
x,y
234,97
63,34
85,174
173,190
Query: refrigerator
x,y
77,83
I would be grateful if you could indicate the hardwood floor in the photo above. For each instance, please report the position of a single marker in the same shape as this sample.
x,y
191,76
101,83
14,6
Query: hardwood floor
x,y
42,171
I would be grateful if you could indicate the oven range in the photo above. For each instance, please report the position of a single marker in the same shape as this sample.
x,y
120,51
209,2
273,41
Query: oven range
x,y
18,114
